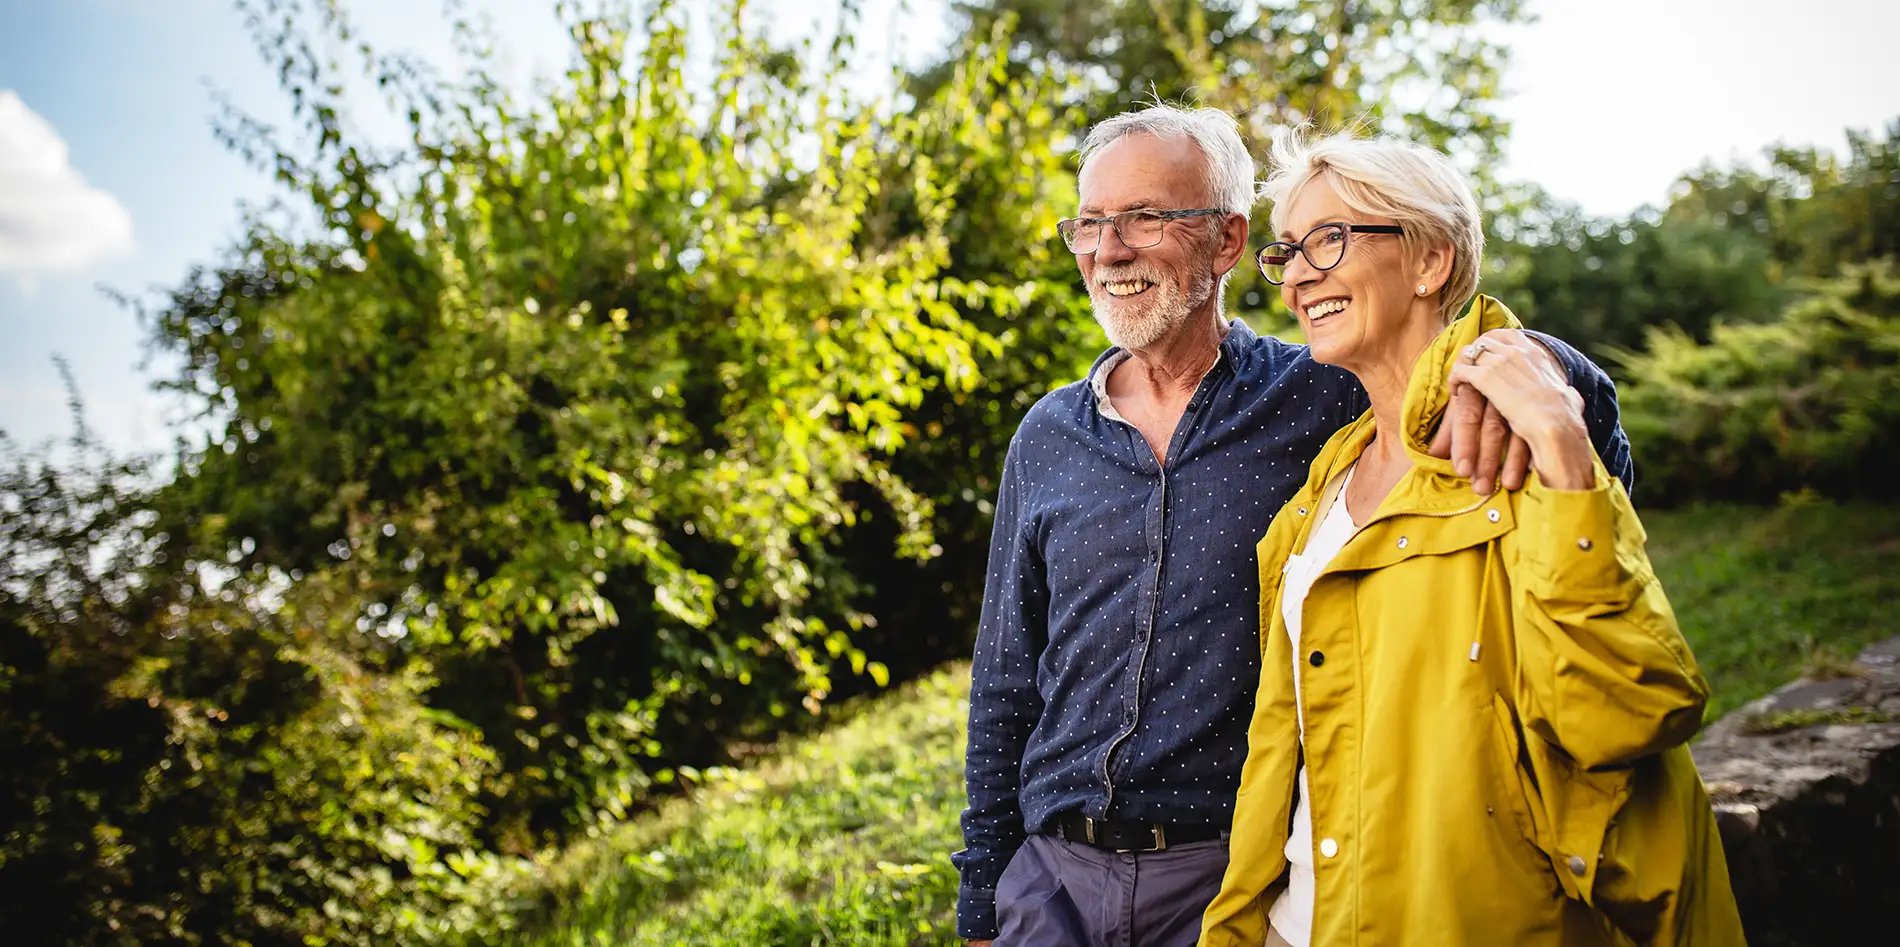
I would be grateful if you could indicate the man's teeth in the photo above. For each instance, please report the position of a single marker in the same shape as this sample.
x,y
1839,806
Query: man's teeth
x,y
1125,287
1326,308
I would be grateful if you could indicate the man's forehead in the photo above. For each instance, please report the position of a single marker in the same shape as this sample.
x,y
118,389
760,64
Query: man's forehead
x,y
1141,171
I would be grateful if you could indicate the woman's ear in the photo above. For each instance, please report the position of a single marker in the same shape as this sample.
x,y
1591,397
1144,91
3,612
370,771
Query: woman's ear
x,y
1434,267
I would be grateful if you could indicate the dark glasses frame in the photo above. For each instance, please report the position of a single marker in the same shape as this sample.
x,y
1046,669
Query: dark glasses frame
x,y
1283,251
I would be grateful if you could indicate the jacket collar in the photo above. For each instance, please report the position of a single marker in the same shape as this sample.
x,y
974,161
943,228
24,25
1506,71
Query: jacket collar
x,y
1432,486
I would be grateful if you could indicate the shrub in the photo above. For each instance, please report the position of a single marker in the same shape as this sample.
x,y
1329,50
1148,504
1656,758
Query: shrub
x,y
196,756
1809,401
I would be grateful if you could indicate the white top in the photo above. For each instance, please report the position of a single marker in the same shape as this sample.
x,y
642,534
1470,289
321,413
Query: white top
x,y
1292,912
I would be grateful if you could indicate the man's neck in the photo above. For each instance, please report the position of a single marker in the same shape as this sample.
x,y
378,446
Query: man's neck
x,y
1174,365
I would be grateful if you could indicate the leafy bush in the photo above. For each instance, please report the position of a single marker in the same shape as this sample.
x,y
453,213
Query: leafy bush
x,y
195,757
587,394
1810,401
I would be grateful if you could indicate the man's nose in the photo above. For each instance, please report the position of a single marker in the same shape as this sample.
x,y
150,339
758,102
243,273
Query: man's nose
x,y
1112,249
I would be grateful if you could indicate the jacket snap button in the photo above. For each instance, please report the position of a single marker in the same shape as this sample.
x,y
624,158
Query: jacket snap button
x,y
1316,659
1302,511
1404,542
1585,544
1577,867
1328,847
1492,515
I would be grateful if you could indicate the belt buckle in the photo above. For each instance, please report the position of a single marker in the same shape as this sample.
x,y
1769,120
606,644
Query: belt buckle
x,y
1156,832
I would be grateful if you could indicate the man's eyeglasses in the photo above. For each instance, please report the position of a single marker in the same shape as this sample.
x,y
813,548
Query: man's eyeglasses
x,y
1324,246
1136,229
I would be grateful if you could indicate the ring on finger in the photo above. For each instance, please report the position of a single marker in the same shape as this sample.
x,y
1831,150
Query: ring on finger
x,y
1475,351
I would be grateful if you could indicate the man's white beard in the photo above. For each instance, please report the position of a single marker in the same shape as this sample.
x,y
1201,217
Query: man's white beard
x,y
1144,320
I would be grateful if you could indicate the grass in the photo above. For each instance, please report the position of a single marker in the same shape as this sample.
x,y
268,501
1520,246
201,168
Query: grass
x,y
843,838
1764,595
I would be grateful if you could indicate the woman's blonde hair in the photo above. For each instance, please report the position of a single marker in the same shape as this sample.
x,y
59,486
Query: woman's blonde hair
x,y
1388,177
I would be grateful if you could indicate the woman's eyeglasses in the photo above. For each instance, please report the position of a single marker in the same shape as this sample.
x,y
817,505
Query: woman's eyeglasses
x,y
1324,246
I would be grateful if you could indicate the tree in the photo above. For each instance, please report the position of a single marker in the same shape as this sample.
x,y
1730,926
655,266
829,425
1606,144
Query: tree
x,y
598,400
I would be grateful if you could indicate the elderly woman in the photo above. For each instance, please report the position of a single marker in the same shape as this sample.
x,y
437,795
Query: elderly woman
x,y
1471,719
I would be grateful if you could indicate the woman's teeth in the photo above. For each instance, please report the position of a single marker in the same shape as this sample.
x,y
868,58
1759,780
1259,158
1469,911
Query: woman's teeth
x,y
1326,308
1125,287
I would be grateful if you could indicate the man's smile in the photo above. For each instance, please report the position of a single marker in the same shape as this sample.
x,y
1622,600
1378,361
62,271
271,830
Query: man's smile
x,y
1127,287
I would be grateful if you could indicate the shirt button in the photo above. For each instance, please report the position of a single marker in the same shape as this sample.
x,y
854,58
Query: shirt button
x,y
1577,866
1316,659
1492,515
1328,847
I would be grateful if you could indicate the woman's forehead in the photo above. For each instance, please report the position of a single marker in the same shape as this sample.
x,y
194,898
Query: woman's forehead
x,y
1313,203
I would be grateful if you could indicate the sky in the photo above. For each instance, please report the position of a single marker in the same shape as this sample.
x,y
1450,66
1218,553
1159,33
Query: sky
x,y
112,182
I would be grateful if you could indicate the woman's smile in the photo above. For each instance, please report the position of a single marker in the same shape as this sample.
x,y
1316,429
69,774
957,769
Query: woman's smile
x,y
1325,311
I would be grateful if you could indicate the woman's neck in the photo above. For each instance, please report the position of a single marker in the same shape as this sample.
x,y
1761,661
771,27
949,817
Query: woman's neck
x,y
1387,377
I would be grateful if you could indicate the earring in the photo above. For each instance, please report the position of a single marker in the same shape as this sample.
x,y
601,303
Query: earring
x,y
1422,290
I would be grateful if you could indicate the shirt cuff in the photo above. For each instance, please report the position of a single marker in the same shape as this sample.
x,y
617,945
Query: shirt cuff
x,y
976,913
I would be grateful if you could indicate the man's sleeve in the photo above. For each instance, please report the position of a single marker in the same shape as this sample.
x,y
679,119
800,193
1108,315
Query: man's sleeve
x,y
1599,409
1004,704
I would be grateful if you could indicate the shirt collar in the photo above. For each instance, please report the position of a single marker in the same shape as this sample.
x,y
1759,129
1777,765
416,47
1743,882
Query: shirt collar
x,y
1240,337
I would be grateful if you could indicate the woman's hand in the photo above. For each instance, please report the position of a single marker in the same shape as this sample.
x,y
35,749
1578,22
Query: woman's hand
x,y
1521,382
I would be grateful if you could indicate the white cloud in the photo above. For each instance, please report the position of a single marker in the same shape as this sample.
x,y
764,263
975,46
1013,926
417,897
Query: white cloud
x,y
50,218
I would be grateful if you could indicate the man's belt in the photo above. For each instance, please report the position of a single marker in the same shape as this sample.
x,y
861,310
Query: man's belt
x,y
1116,836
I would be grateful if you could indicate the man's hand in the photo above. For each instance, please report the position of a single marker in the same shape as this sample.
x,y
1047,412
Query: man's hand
x,y
978,943
1535,399
1475,435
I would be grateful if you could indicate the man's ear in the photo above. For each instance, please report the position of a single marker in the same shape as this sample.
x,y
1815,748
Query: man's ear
x,y
1233,243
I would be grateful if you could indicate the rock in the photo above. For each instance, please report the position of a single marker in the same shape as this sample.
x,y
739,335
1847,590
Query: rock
x,y
1810,813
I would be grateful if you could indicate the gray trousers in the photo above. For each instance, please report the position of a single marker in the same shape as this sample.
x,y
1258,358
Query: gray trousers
x,y
1061,894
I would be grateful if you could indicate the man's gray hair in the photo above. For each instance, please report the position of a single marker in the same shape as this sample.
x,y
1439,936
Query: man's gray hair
x,y
1230,169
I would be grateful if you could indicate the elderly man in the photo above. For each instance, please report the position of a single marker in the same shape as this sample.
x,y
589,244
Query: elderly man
x,y
1119,647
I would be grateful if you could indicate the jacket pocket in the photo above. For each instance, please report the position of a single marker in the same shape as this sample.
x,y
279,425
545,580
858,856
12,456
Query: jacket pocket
x,y
1516,789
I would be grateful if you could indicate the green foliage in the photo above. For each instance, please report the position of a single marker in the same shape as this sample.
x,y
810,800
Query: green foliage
x,y
1733,245
1395,65
1808,401
591,395
1428,71
1603,284
1814,209
195,758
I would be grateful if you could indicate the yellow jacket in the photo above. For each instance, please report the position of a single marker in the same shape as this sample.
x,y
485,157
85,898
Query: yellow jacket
x,y
1497,700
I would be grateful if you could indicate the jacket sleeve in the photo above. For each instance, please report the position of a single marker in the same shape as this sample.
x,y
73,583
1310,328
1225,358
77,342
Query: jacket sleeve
x,y
1237,917
1605,680
1004,704
1600,411
1604,673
